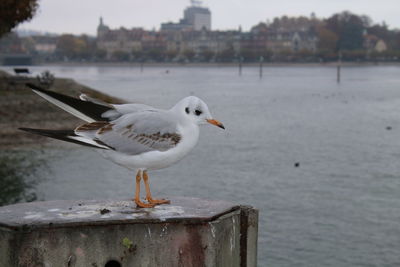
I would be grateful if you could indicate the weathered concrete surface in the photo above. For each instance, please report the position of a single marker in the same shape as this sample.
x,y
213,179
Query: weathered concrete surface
x,y
190,232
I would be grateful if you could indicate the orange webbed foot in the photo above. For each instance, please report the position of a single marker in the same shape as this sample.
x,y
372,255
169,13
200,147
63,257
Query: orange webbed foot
x,y
141,204
158,201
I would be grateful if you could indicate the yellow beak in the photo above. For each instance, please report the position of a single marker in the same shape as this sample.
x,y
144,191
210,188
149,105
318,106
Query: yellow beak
x,y
216,123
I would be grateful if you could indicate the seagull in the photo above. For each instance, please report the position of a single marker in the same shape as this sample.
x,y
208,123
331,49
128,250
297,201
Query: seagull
x,y
136,136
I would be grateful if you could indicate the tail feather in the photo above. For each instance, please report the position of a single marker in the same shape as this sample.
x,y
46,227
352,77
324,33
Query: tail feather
x,y
68,136
85,110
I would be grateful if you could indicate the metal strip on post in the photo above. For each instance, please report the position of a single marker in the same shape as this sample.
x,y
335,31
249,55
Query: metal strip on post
x,y
248,236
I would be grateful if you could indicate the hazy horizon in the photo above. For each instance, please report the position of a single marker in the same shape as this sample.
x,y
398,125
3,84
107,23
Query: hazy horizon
x,y
77,17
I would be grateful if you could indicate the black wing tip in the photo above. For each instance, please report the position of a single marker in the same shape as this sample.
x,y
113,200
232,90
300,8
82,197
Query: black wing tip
x,y
48,132
37,88
27,129
34,87
34,131
64,135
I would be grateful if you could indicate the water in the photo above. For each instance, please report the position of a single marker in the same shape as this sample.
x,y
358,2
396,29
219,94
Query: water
x,y
340,207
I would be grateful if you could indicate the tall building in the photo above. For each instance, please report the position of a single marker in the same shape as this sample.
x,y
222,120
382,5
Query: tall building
x,y
102,29
198,17
195,18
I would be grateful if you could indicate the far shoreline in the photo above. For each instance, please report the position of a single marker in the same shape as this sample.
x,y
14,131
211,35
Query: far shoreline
x,y
205,65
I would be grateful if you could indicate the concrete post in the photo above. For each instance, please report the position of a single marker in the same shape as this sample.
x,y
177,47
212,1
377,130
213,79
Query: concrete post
x,y
189,232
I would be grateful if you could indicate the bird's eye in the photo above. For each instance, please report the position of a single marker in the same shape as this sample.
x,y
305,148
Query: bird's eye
x,y
198,112
187,110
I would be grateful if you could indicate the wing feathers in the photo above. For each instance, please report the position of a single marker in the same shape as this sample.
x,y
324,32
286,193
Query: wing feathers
x,y
92,126
132,141
131,128
85,110
68,136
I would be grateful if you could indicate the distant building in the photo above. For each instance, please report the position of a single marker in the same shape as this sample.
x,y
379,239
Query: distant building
x,y
181,26
44,45
195,18
199,17
119,40
254,43
374,43
12,51
380,46
209,41
292,41
102,29
11,43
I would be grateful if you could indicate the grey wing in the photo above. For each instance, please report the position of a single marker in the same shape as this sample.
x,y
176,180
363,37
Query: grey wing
x,y
134,107
136,133
120,110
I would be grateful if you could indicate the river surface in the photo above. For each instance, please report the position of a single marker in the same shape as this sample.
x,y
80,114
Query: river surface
x,y
339,207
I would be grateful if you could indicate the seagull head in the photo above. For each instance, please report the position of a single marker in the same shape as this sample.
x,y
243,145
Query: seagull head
x,y
194,109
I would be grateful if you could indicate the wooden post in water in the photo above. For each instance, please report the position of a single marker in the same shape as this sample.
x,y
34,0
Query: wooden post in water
x,y
240,66
261,66
188,232
339,65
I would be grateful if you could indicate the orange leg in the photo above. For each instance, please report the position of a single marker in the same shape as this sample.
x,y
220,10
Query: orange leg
x,y
139,203
148,194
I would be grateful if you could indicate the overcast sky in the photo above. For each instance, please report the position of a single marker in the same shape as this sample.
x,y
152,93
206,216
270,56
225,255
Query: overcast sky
x,y
82,16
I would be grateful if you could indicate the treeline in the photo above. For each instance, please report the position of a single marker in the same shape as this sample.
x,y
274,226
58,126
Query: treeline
x,y
355,37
